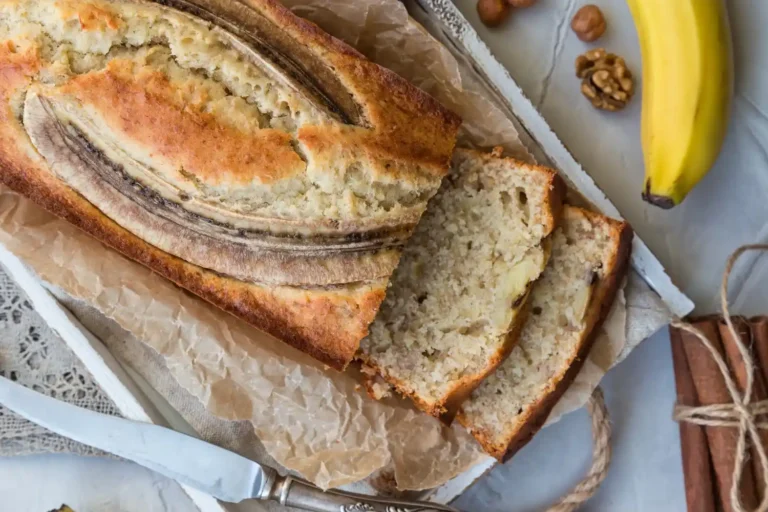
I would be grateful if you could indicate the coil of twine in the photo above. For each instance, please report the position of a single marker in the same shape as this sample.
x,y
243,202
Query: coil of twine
x,y
601,457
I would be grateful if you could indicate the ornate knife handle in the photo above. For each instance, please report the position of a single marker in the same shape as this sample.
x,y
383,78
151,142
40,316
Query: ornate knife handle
x,y
302,495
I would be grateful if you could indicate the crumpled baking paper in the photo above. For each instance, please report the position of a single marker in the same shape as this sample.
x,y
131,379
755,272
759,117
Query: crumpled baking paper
x,y
312,420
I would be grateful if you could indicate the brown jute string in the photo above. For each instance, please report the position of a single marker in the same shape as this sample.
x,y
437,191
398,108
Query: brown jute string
x,y
601,457
740,414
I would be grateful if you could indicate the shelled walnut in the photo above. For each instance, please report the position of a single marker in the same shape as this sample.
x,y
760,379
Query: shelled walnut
x,y
606,80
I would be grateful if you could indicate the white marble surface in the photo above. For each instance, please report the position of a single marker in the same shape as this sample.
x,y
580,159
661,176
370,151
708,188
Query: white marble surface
x,y
728,208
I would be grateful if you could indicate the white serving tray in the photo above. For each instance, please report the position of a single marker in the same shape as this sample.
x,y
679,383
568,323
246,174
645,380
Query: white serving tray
x,y
443,20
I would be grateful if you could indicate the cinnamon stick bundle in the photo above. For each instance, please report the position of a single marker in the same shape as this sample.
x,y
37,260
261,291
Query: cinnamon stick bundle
x,y
739,370
711,390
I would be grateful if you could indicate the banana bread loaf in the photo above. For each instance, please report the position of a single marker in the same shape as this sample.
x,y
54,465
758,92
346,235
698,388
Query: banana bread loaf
x,y
232,147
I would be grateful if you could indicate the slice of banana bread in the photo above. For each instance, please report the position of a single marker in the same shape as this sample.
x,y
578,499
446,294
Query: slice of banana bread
x,y
457,298
589,258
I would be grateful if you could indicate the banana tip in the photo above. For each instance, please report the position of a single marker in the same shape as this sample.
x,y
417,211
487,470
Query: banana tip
x,y
664,202
661,201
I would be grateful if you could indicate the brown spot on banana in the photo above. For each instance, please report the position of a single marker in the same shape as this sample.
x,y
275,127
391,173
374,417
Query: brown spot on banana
x,y
663,202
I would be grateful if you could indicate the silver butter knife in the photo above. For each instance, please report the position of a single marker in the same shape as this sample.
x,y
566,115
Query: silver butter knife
x,y
221,473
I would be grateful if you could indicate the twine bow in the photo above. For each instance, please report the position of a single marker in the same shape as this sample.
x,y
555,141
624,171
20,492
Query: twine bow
x,y
742,413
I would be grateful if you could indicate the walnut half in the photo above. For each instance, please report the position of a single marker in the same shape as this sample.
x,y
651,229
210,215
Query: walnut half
x,y
606,81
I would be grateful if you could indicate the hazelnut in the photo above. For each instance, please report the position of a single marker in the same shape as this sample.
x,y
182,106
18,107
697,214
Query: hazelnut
x,y
588,23
521,3
492,12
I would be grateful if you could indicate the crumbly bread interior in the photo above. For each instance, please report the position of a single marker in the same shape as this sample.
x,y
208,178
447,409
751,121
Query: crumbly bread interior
x,y
463,279
213,80
584,251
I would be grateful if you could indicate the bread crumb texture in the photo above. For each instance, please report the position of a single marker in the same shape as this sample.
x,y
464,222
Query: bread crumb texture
x,y
583,253
463,278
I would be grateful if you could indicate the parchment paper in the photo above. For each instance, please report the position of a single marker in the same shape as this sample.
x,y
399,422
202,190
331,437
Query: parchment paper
x,y
310,419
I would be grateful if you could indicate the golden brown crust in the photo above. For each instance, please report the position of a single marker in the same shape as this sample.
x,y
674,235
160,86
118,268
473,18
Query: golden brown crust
x,y
92,17
599,308
142,104
324,324
557,191
555,199
327,324
403,124
419,128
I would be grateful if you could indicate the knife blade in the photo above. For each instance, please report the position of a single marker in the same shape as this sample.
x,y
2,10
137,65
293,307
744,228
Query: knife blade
x,y
221,473
209,468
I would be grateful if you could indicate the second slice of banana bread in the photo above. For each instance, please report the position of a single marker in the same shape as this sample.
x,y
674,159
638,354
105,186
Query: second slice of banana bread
x,y
589,258
457,299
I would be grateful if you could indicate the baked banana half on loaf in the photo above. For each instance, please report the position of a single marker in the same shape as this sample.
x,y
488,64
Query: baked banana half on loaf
x,y
590,253
458,297
232,147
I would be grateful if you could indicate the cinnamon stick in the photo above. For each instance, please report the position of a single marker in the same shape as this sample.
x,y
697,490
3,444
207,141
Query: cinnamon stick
x,y
759,325
711,389
739,370
697,466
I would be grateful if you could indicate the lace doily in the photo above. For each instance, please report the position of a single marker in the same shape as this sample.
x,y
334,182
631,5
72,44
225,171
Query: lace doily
x,y
33,355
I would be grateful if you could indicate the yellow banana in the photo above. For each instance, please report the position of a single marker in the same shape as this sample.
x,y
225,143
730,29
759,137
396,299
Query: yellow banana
x,y
687,87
